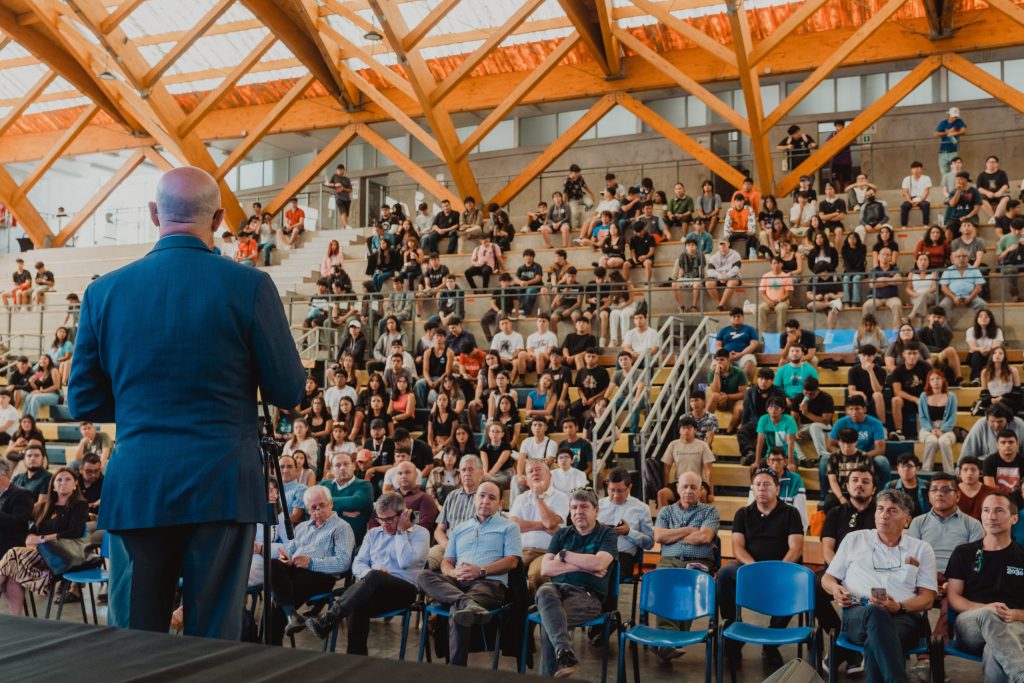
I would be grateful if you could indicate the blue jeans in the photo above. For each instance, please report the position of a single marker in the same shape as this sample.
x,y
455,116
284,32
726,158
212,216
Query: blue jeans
x,y
33,402
265,249
380,278
882,469
886,638
528,298
634,414
422,392
851,288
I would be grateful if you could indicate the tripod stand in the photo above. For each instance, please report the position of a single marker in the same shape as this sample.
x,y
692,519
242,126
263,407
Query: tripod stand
x,y
270,450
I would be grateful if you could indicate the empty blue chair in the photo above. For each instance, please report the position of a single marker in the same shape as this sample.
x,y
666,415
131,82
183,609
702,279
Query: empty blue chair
x,y
776,589
100,575
678,595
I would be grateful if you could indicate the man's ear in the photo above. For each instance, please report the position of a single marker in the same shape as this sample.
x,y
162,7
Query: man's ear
x,y
153,215
218,218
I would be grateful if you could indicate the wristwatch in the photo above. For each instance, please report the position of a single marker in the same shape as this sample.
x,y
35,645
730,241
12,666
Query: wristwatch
x,y
561,555
483,573
902,609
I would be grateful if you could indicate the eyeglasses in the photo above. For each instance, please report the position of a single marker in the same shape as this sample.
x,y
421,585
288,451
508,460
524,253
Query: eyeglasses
x,y
884,563
318,506
388,520
943,490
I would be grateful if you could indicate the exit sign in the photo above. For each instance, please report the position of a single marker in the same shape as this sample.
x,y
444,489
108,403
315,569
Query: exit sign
x,y
865,139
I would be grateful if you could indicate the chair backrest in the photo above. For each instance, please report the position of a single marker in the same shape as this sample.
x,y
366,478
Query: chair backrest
x,y
611,601
775,588
105,545
678,594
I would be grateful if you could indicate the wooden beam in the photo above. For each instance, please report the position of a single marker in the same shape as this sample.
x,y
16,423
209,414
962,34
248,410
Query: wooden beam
x,y
933,12
859,124
34,92
26,214
977,76
783,30
751,87
517,94
684,81
343,10
120,14
312,169
832,62
578,12
157,159
681,140
214,97
661,12
605,23
408,166
182,46
386,73
83,214
254,136
50,159
420,31
554,150
467,65
1010,9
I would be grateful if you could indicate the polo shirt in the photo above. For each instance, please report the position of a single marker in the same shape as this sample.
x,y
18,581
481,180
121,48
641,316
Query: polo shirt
x,y
961,284
861,552
868,432
482,543
525,507
989,575
458,507
732,380
945,534
766,537
698,516
600,539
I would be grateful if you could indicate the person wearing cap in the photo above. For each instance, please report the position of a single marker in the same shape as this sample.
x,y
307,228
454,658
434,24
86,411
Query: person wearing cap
x,y
814,416
797,145
726,384
755,404
686,454
354,343
767,529
949,131
776,292
915,487
723,271
689,273
741,341
740,223
353,498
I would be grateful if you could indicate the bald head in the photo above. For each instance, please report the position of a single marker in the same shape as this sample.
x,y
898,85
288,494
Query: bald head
x,y
187,202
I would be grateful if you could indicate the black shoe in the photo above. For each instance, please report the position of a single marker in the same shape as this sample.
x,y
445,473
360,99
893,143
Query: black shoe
x,y
747,460
772,657
295,625
566,664
471,614
323,626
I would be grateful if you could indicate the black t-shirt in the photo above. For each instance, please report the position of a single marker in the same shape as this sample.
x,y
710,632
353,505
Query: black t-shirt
x,y
825,206
578,343
446,220
861,380
494,454
601,538
559,378
570,292
22,277
443,426
911,380
935,337
45,276
641,245
989,575
582,451
1008,475
592,382
820,405
766,537
17,379
843,519
527,273
422,455
807,340
344,193
993,181
435,278
384,452
93,492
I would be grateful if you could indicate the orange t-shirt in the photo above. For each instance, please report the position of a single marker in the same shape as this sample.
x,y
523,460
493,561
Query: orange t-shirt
x,y
247,249
294,216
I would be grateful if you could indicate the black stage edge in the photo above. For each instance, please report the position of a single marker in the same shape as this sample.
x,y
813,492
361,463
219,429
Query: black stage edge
x,y
43,650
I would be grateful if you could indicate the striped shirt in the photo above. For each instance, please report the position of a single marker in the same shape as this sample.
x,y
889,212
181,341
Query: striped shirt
x,y
328,546
482,543
700,516
458,507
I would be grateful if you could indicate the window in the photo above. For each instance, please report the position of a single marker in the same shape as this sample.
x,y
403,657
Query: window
x,y
739,103
401,143
538,130
419,151
250,175
922,94
566,119
874,86
696,112
769,97
960,89
1013,73
848,94
618,121
464,132
726,97
672,110
821,100
232,179
300,161
502,137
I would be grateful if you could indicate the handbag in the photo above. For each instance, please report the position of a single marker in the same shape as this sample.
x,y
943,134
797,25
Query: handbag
x,y
69,554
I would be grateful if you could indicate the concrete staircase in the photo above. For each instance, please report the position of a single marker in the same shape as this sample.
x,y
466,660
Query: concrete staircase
x,y
302,265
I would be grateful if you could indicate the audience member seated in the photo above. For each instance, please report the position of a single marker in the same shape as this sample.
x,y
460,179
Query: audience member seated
x,y
908,382
857,192
16,506
986,587
755,404
916,188
791,485
35,477
62,513
776,291
767,529
723,271
961,285
740,224
90,481
935,419
741,341
686,454
885,287
915,488
1003,470
972,491
352,498
776,428
982,337
1000,382
459,506
539,513
935,247
313,561
406,478
870,436
866,380
474,572
291,488
44,387
629,518
982,438
854,255
813,413
873,215
565,477
843,462
937,338
577,564
887,624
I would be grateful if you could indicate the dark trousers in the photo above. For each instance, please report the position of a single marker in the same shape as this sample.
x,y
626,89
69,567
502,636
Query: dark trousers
x,y
746,437
905,208
977,361
292,586
487,593
887,637
376,593
212,559
627,565
726,580
484,272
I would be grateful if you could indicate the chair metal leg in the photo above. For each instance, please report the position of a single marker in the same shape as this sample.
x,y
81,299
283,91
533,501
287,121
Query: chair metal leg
x,y
424,637
636,661
63,598
832,664
604,652
526,649
49,601
405,634
719,671
497,646
32,603
92,601
709,652
81,603
620,663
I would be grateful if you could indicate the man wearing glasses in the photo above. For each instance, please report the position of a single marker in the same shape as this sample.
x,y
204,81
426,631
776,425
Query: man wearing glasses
x,y
986,586
885,582
385,567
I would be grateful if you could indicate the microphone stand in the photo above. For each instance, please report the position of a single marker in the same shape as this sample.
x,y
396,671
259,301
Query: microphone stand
x,y
269,452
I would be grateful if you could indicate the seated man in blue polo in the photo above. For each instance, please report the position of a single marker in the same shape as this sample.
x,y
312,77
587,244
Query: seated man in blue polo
x,y
474,572
870,439
577,564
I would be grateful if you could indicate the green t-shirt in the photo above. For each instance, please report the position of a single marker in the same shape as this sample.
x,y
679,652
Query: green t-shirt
x,y
775,434
1007,241
601,538
791,378
732,381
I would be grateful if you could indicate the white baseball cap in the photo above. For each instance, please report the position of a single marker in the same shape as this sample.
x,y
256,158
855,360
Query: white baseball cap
x,y
954,111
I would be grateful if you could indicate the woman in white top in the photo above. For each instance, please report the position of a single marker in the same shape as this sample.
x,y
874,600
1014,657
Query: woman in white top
x,y
983,336
1000,381
277,539
306,476
869,334
300,440
922,287
331,259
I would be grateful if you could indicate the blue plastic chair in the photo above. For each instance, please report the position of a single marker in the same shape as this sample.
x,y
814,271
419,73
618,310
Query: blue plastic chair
x,y
791,594
607,620
678,595
842,641
406,615
948,647
100,575
442,611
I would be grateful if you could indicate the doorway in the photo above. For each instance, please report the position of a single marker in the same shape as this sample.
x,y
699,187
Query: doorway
x,y
375,193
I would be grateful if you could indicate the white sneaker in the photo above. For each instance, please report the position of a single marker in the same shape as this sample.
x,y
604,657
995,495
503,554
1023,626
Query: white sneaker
x,y
524,229
992,221
602,342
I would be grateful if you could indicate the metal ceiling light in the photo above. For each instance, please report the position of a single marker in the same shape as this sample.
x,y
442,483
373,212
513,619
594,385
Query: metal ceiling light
x,y
373,35
106,74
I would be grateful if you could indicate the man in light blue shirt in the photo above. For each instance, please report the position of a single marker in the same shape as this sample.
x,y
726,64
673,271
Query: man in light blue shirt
x,y
961,284
293,490
387,565
474,572
628,517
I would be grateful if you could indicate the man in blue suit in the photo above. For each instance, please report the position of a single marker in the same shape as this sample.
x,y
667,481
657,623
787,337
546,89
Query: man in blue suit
x,y
173,348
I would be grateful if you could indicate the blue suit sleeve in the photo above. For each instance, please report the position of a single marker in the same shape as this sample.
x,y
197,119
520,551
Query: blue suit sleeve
x,y
90,395
281,375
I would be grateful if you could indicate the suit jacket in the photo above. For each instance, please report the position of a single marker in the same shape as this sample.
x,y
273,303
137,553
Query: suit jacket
x,y
15,514
173,347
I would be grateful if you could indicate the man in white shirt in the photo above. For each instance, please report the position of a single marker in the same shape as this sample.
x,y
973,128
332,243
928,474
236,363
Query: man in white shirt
x,y
642,340
539,347
385,567
538,446
9,417
340,389
508,344
885,580
916,187
564,476
629,517
538,513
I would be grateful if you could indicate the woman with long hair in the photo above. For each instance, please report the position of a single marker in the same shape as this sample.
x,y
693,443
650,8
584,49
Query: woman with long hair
x,y
922,286
854,256
319,420
374,387
301,440
441,425
541,402
822,251
936,417
305,474
44,387
507,413
377,411
868,333
456,396
769,212
350,418
1000,381
613,249
60,353
26,431
338,442
63,514
983,336
444,478
412,262
886,238
770,239
403,404
935,246
278,539
463,441
332,258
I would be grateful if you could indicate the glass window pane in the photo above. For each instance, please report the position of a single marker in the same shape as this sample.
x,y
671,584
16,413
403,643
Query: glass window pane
x,y
848,93
739,103
672,110
419,152
298,162
250,175
232,179
502,137
769,96
538,130
874,86
401,143
696,112
566,119
726,97
1014,70
922,94
618,121
960,90
464,132
356,154
821,100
